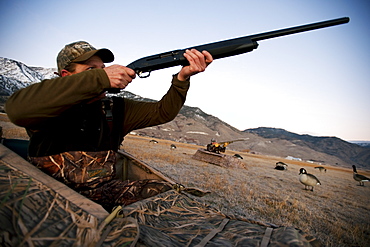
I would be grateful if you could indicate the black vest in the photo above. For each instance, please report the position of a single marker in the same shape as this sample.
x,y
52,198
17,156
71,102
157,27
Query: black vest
x,y
84,127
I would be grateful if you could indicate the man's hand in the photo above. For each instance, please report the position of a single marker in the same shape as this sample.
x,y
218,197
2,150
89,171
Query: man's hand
x,y
119,76
198,62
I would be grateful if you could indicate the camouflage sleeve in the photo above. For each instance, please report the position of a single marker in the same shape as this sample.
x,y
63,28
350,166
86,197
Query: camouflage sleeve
x,y
145,114
32,105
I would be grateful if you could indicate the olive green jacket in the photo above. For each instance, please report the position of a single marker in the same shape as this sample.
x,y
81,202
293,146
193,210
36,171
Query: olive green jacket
x,y
59,117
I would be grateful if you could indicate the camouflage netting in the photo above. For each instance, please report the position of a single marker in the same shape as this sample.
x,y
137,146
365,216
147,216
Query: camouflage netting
x,y
32,214
223,160
172,219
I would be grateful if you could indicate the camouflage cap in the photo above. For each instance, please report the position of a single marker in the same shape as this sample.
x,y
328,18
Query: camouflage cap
x,y
81,51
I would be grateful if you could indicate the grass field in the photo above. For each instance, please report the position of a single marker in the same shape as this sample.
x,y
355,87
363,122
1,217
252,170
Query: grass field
x,y
336,212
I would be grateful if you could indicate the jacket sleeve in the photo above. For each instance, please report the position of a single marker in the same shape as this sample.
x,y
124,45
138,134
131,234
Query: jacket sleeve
x,y
33,105
140,114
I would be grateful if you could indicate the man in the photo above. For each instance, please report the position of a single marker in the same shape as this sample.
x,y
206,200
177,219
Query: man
x,y
74,129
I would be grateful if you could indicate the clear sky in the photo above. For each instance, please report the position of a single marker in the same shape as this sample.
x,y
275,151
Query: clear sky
x,y
315,83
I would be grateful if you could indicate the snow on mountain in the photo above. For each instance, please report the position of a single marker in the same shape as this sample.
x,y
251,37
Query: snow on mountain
x,y
15,75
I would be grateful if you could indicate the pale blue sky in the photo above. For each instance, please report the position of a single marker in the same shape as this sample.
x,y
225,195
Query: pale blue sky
x,y
314,83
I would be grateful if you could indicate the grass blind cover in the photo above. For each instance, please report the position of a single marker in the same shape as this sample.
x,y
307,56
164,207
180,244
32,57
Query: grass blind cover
x,y
32,214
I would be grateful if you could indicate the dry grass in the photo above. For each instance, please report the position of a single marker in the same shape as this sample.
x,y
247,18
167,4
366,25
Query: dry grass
x,y
10,130
337,212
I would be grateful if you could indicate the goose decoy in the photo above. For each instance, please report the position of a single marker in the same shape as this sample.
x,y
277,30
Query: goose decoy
x,y
307,179
281,166
321,168
238,156
358,177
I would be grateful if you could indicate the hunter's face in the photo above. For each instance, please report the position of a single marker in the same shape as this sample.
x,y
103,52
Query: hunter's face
x,y
94,62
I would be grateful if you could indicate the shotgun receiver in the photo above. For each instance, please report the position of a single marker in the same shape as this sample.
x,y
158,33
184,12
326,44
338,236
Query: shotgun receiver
x,y
221,49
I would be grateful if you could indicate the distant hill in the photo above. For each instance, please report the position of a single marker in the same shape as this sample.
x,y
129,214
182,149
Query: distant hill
x,y
192,125
348,152
361,143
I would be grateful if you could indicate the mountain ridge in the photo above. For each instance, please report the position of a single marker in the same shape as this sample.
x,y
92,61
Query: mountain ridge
x,y
347,151
192,125
15,75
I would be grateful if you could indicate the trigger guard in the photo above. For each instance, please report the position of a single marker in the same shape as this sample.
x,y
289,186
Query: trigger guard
x,y
143,74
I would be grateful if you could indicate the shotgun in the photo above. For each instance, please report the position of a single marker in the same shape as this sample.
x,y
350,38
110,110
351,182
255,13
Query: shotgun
x,y
221,49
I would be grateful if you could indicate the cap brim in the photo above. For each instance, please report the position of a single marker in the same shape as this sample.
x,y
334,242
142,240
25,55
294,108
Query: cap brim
x,y
105,55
